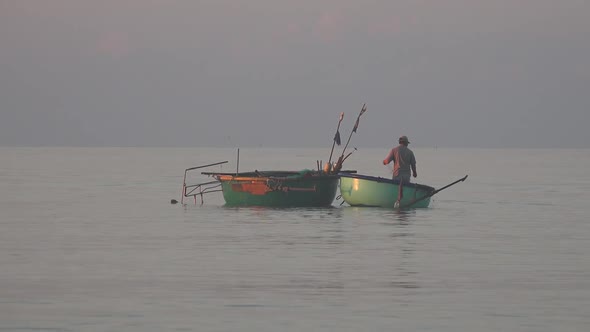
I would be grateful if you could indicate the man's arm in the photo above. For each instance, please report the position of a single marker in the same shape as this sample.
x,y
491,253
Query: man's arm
x,y
413,164
389,158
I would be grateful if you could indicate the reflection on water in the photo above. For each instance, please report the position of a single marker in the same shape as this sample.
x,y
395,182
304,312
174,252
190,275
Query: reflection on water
x,y
395,233
403,216
386,215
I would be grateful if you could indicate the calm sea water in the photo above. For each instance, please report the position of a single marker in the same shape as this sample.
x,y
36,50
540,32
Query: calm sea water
x,y
90,242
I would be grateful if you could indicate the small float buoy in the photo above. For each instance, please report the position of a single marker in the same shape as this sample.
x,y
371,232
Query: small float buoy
x,y
173,201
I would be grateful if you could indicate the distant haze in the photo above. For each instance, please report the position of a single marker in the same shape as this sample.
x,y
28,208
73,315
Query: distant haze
x,y
454,73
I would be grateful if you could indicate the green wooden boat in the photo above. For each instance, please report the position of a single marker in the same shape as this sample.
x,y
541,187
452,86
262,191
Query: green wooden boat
x,y
304,188
365,190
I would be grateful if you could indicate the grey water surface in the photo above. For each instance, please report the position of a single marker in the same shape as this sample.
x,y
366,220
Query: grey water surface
x,y
90,242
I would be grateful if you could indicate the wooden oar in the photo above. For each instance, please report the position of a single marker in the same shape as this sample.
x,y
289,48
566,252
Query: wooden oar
x,y
432,193
336,138
356,125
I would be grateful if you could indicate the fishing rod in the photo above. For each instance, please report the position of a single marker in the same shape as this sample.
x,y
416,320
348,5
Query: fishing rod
x,y
341,159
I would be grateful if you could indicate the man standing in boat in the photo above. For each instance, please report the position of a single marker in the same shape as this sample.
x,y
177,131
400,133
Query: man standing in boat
x,y
403,159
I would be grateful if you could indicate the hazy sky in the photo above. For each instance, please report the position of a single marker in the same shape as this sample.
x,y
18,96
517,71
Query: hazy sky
x,y
447,73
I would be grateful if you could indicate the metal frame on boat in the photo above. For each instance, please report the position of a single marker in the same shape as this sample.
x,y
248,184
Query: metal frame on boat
x,y
199,189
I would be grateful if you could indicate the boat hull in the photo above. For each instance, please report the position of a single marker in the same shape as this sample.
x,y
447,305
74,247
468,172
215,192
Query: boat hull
x,y
364,190
279,189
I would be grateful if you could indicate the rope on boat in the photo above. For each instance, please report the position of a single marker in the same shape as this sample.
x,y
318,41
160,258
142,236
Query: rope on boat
x,y
274,184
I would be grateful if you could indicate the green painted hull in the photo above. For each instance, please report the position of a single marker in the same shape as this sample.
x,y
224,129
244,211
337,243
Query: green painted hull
x,y
279,189
363,190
